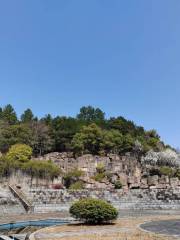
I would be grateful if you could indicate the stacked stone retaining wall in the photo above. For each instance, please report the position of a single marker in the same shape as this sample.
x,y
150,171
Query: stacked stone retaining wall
x,y
135,199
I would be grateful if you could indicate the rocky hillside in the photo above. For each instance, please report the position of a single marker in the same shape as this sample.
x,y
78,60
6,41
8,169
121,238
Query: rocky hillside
x,y
86,151
117,171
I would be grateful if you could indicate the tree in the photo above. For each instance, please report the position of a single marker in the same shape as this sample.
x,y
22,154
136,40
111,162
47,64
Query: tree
x,y
19,154
63,130
88,140
91,114
167,157
112,141
128,143
42,141
13,134
8,115
123,125
1,113
27,116
47,119
94,211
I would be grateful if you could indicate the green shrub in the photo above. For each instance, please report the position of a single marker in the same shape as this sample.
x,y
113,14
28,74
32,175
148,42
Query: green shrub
x,y
72,177
99,177
118,184
77,185
93,211
100,168
167,171
41,169
20,153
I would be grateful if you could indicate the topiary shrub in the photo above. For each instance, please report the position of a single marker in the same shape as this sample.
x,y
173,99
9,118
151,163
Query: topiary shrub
x,y
118,184
93,211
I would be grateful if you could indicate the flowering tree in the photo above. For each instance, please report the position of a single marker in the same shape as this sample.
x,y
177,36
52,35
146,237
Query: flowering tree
x,y
167,157
151,158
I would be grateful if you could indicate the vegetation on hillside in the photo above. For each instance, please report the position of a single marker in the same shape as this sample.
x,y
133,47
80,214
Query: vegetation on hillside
x,y
19,158
88,132
22,139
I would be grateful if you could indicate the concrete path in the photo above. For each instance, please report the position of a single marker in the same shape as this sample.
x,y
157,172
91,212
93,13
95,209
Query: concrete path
x,y
166,227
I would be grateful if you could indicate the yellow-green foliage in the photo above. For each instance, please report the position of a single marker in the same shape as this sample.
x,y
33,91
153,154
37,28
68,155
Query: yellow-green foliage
x,y
19,153
99,177
100,168
19,157
41,169
77,185
168,171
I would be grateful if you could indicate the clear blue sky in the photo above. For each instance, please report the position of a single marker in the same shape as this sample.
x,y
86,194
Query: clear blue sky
x,y
122,56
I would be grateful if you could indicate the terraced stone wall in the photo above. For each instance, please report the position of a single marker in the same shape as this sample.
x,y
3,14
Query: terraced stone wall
x,y
134,199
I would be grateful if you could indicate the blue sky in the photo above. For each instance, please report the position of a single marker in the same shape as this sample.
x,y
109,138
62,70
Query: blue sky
x,y
122,56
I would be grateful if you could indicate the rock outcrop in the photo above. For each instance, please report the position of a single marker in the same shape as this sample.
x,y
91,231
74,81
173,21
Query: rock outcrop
x,y
128,169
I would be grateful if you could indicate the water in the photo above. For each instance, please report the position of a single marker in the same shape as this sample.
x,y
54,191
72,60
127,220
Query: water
x,y
37,223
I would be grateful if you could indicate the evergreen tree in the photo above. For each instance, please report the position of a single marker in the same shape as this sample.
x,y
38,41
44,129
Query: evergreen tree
x,y
91,114
8,115
27,116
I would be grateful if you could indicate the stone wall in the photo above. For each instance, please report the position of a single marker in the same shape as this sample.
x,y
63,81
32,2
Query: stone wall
x,y
126,168
9,205
135,199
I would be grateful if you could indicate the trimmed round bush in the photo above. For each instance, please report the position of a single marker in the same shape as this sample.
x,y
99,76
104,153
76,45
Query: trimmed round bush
x,y
93,211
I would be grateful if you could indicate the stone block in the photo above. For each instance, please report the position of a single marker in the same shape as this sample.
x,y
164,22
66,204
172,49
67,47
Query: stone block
x,y
123,179
134,186
174,182
162,186
144,181
153,180
144,186
164,179
130,180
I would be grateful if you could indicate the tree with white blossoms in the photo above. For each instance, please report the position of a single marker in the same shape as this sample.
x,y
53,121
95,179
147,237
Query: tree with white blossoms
x,y
167,157
151,158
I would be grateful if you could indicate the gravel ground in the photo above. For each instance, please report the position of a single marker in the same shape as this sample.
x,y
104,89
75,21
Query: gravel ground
x,y
123,229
